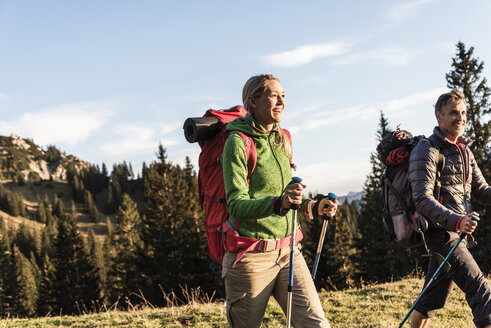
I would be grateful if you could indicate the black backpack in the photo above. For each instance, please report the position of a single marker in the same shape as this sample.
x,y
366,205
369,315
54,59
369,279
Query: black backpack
x,y
404,225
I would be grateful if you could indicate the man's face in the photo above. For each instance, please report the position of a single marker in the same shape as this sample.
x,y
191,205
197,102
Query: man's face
x,y
452,119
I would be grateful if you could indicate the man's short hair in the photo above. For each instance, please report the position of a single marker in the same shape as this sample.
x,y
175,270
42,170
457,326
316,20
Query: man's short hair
x,y
454,96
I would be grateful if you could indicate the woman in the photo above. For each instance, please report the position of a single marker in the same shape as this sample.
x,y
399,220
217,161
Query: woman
x,y
259,209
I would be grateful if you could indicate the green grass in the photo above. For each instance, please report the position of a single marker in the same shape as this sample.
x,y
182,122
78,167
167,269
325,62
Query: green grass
x,y
382,305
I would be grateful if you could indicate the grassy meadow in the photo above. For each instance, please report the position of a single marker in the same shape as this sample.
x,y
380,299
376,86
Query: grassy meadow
x,y
381,305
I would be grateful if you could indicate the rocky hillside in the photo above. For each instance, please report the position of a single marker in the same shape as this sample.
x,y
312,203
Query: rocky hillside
x,y
22,159
31,175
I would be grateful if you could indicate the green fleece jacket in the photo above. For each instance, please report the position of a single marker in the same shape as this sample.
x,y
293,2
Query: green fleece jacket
x,y
252,204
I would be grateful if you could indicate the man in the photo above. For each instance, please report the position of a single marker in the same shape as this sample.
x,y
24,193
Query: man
x,y
450,214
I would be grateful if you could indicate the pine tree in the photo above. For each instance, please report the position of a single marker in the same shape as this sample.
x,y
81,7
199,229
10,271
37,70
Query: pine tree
x,y
73,209
108,251
109,227
58,208
25,240
97,255
117,193
372,245
340,269
125,240
105,176
35,267
7,277
21,181
48,208
173,243
25,287
466,75
47,301
41,213
110,202
75,187
350,213
77,282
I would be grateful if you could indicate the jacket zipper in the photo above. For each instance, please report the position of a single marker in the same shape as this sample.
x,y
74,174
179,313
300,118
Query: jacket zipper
x,y
282,179
465,172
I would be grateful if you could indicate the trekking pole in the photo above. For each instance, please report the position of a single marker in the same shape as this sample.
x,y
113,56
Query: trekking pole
x,y
294,207
332,197
435,275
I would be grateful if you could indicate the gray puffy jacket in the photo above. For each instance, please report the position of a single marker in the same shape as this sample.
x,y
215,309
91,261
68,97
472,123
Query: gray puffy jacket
x,y
460,178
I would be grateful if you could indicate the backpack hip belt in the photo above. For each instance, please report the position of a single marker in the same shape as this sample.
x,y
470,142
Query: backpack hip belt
x,y
233,242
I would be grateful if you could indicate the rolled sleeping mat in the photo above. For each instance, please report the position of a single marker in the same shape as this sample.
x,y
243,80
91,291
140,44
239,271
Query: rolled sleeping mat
x,y
201,128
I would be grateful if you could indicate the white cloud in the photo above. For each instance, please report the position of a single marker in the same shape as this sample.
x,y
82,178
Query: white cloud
x,y
133,142
319,177
168,128
322,119
363,112
391,55
130,142
3,96
305,54
67,124
447,47
205,97
413,100
405,10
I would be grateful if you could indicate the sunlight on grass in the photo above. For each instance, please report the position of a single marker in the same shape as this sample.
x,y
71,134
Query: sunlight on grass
x,y
382,305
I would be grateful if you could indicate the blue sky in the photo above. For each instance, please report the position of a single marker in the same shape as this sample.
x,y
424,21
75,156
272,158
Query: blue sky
x,y
108,80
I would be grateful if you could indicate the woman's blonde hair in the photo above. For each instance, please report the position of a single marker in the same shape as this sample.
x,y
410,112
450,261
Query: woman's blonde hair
x,y
253,89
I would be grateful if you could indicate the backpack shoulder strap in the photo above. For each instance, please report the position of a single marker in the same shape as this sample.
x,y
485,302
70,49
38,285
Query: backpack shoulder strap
x,y
251,153
289,137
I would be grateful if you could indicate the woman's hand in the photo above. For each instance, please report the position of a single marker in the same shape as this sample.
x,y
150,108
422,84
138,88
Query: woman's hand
x,y
292,195
328,207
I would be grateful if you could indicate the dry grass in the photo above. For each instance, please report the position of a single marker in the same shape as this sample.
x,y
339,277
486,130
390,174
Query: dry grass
x,y
380,305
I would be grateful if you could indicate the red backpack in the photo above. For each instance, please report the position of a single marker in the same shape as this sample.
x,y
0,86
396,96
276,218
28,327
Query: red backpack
x,y
211,186
210,178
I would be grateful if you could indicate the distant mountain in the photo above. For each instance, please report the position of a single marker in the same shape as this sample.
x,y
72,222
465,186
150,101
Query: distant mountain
x,y
352,196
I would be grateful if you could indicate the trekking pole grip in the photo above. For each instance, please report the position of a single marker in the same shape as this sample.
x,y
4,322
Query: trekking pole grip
x,y
332,197
474,218
295,180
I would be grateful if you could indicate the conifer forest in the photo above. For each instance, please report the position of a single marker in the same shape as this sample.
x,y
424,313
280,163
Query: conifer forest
x,y
78,238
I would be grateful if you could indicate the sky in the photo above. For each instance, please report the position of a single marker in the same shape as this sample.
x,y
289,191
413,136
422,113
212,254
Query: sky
x,y
107,81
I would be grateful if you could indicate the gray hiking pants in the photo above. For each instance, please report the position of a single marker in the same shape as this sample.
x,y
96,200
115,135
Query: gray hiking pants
x,y
462,270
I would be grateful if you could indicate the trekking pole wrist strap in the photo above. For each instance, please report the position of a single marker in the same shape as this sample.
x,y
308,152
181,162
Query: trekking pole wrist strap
x,y
311,206
277,202
458,223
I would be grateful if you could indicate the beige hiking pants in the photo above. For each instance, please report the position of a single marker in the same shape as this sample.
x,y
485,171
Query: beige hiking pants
x,y
259,275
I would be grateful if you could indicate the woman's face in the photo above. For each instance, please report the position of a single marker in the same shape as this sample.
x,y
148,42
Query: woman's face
x,y
269,106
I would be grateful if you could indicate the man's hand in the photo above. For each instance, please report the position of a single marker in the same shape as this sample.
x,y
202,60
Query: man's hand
x,y
467,224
